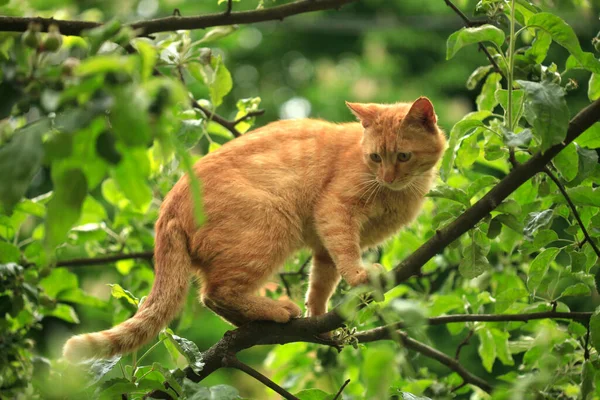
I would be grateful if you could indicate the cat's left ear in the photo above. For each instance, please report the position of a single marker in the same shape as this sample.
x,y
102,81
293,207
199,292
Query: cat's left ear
x,y
422,111
366,113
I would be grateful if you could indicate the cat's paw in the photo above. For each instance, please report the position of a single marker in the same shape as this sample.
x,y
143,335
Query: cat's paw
x,y
292,308
361,276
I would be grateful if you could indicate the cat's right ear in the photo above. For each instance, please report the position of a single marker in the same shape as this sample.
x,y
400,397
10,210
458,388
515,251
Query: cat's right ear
x,y
365,113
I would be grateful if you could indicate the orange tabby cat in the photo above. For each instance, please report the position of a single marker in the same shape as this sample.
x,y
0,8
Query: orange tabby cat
x,y
335,188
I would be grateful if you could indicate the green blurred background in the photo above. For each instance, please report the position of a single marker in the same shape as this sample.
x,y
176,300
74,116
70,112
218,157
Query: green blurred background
x,y
305,66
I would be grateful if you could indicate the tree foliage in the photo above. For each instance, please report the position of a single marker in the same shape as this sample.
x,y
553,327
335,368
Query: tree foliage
x,y
96,127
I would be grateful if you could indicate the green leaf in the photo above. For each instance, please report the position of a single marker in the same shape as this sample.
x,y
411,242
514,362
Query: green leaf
x,y
546,111
520,139
20,159
518,99
129,117
410,396
577,329
218,392
313,394
467,36
218,79
64,312
583,196
189,350
115,388
536,221
578,289
9,253
502,349
487,101
217,33
97,369
538,268
78,296
131,176
478,75
487,348
591,137
64,208
147,53
540,46
190,132
450,193
119,293
481,183
60,279
508,297
595,329
564,35
474,262
588,379
103,64
594,87
460,129
567,162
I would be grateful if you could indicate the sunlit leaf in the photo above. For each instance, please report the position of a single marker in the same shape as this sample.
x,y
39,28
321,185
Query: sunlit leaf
x,y
467,36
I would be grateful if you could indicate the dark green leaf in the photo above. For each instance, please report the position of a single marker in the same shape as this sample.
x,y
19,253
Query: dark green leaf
x,y
588,379
20,159
60,279
129,117
64,208
450,193
548,111
189,350
9,253
97,369
520,139
518,98
64,312
595,330
578,289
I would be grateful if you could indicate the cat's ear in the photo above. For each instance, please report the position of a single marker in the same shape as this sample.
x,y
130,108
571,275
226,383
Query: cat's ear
x,y
422,111
366,113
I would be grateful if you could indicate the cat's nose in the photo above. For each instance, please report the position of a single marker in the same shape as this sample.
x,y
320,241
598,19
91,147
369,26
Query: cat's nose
x,y
389,178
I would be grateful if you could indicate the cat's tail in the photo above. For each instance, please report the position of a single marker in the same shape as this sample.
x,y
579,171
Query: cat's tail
x,y
172,270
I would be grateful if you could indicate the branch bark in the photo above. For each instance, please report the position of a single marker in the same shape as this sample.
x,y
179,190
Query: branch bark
x,y
79,262
175,22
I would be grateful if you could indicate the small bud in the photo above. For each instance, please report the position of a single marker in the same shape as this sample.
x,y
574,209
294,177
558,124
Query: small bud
x,y
31,37
205,56
596,43
571,85
53,39
69,65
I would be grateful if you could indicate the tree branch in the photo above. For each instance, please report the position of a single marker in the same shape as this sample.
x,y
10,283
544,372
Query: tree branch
x,y
470,23
173,23
442,358
229,125
233,362
386,332
573,208
79,262
511,182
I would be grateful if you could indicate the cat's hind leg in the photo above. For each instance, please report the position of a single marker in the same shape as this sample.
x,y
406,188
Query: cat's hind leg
x,y
236,301
323,280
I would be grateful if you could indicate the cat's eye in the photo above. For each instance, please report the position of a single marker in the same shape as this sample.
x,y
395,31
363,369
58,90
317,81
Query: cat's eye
x,y
375,157
403,157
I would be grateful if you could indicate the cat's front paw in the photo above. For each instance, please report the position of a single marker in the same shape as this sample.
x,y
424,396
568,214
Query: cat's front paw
x,y
358,278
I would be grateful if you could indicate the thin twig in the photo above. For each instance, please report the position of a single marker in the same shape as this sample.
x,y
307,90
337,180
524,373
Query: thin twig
x,y
229,7
300,272
233,362
173,23
463,343
470,23
442,358
339,393
573,208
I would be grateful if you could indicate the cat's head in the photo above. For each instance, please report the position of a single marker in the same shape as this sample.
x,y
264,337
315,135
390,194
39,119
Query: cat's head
x,y
401,142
